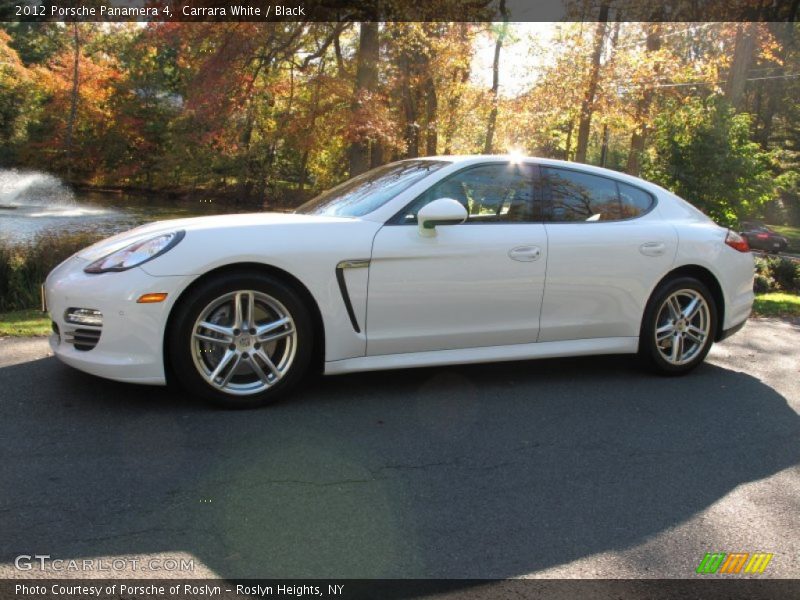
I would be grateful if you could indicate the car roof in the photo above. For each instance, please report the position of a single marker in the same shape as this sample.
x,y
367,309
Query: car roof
x,y
474,159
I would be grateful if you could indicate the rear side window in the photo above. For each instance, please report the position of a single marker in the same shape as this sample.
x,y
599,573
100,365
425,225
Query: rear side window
x,y
581,197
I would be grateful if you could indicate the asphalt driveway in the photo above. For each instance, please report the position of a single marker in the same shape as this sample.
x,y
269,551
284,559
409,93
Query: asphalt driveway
x,y
558,468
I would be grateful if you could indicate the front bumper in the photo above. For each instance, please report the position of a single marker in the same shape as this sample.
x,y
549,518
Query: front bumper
x,y
130,345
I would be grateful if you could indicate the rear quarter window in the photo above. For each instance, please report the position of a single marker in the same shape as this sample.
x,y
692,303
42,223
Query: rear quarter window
x,y
633,201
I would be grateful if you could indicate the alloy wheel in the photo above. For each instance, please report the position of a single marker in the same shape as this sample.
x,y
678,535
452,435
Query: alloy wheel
x,y
243,342
683,325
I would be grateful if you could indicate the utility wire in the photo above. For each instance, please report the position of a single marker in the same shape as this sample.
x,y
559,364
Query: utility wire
x,y
667,77
665,85
668,34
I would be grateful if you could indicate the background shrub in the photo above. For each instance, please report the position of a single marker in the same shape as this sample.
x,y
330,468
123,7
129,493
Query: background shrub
x,y
775,274
24,266
763,284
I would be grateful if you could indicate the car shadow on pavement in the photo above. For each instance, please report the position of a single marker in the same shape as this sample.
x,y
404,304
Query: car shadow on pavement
x,y
471,471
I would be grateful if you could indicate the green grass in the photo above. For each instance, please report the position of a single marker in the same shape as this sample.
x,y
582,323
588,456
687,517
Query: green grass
x,y
777,304
790,233
24,323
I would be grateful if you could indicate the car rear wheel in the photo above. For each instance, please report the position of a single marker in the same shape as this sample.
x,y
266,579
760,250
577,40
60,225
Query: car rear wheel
x,y
241,340
679,326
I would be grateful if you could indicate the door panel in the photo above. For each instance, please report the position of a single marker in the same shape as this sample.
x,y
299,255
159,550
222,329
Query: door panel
x,y
464,287
607,251
599,276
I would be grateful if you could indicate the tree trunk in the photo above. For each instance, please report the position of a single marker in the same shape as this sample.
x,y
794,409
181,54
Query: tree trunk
x,y
604,147
492,123
587,106
247,166
375,154
784,33
366,82
639,135
314,114
746,40
337,48
73,111
411,131
460,75
569,139
431,109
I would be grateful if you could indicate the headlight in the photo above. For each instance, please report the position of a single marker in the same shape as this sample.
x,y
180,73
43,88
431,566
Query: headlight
x,y
137,253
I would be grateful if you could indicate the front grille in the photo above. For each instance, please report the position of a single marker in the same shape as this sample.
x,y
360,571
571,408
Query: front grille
x,y
83,339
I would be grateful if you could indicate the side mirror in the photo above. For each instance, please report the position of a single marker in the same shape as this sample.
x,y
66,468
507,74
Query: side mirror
x,y
444,211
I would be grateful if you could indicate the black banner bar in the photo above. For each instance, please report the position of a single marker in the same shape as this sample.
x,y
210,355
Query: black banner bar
x,y
733,588
395,10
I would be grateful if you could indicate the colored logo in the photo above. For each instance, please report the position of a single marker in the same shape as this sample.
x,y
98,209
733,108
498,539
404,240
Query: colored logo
x,y
734,563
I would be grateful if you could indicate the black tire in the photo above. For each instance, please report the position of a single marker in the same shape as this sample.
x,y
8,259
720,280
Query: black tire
x,y
649,350
181,348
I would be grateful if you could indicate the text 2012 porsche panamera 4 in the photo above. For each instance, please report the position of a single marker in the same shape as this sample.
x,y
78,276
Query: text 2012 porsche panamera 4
x,y
422,262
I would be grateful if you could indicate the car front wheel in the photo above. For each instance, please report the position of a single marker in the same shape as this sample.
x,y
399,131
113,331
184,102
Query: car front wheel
x,y
679,326
241,340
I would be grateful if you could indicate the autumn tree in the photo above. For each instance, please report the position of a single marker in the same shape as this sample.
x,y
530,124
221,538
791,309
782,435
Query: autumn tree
x,y
17,89
651,65
272,112
74,119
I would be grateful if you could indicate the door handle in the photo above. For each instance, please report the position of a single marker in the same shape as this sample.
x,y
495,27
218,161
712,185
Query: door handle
x,y
652,248
525,253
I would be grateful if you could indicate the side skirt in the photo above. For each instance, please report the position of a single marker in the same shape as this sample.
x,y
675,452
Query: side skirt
x,y
615,345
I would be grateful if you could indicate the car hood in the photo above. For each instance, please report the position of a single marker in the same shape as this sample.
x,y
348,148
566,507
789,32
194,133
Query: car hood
x,y
237,221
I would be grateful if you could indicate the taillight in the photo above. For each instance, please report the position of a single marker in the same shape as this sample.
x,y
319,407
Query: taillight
x,y
737,242
762,236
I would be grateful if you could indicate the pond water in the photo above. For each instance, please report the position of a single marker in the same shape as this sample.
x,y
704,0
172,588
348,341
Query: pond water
x,y
33,202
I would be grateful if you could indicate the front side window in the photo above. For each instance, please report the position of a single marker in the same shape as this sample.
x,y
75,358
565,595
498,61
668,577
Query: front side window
x,y
361,195
497,193
579,197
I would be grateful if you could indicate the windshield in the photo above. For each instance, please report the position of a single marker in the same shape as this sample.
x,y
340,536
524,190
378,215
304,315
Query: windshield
x,y
367,192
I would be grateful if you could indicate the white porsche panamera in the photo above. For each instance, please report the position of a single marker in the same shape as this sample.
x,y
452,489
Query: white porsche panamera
x,y
422,262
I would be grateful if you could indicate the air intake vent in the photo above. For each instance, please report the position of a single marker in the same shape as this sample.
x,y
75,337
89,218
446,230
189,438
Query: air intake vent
x,y
83,339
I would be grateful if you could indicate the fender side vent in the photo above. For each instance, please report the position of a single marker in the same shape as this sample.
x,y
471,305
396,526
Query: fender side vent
x,y
361,263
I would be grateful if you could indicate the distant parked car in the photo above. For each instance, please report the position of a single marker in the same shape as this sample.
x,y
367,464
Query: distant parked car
x,y
761,237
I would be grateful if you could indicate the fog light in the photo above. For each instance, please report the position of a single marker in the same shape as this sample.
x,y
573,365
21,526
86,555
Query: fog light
x,y
84,316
